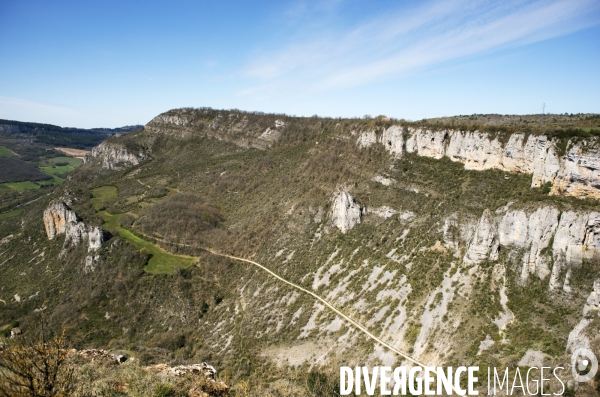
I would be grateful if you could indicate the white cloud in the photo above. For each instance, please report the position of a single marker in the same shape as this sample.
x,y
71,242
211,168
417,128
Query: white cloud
x,y
25,110
11,105
403,42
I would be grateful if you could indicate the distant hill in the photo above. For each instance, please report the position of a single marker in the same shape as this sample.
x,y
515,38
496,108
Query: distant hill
x,y
53,135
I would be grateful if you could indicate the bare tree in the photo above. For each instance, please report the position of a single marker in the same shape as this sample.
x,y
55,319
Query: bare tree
x,y
36,368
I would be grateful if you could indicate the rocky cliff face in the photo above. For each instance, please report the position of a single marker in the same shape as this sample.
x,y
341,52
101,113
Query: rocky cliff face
x,y
545,241
345,212
60,219
582,334
576,173
234,127
114,156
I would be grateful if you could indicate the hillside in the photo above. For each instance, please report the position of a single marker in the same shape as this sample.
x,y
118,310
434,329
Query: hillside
x,y
456,242
35,157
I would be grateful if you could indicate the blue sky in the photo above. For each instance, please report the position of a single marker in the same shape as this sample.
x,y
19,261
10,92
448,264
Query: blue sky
x,y
112,63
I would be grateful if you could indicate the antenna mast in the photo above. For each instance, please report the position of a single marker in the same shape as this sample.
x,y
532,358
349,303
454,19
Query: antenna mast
x,y
543,111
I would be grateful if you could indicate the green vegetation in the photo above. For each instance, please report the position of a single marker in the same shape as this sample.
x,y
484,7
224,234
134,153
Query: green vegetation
x,y
10,213
59,167
20,186
161,261
13,169
6,152
103,194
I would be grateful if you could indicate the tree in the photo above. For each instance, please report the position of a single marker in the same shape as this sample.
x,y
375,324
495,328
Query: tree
x,y
36,368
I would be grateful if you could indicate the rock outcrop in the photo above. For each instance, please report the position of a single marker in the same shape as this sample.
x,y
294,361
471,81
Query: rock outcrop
x,y
579,336
233,126
576,173
270,136
345,212
99,355
543,237
115,157
484,244
204,369
60,219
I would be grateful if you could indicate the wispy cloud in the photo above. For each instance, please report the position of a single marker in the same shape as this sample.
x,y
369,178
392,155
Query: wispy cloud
x,y
396,44
25,110
148,77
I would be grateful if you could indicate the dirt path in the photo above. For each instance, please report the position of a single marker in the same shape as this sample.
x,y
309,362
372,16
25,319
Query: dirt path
x,y
315,296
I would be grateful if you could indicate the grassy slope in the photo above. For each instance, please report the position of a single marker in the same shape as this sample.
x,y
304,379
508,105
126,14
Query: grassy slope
x,y
6,152
160,262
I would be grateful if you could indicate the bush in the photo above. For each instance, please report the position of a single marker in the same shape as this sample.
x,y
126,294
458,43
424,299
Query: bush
x,y
547,187
36,368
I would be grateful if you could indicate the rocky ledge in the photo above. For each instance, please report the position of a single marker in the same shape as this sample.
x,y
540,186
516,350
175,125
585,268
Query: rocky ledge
x,y
573,170
115,157
60,219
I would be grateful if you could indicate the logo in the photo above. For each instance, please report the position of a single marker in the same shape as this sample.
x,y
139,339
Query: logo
x,y
582,360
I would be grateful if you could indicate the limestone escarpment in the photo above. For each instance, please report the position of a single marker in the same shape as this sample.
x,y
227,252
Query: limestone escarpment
x,y
60,219
546,241
345,212
581,335
243,129
115,156
576,173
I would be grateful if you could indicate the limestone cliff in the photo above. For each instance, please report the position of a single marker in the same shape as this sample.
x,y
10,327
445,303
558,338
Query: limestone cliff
x,y
546,241
576,173
60,219
345,212
580,335
235,127
115,156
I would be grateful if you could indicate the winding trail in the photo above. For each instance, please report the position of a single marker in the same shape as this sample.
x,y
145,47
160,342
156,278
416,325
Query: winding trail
x,y
323,301
315,296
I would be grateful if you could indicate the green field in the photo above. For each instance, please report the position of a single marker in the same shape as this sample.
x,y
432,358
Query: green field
x,y
10,214
22,186
49,167
161,261
58,166
72,161
6,152
101,194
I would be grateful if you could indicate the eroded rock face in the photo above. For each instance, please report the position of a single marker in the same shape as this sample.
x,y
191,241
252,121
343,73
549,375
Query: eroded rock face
x,y
484,241
267,138
577,173
366,139
115,157
542,237
580,335
60,219
393,140
577,237
234,127
95,238
346,212
56,218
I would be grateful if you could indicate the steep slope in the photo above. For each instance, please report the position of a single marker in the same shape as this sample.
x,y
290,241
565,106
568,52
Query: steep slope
x,y
447,244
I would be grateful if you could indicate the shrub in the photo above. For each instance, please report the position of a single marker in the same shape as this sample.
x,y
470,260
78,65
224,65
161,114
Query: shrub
x,y
547,187
36,368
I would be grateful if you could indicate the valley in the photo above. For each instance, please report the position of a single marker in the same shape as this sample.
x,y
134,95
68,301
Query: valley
x,y
241,239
